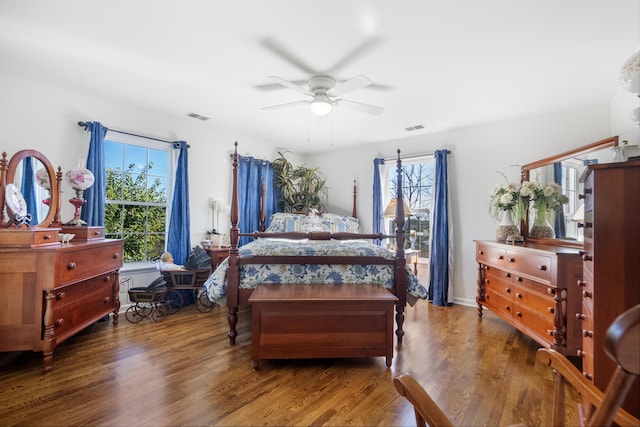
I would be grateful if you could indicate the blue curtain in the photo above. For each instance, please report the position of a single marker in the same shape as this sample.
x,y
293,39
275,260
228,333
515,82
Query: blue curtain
x,y
439,263
93,211
252,173
558,225
28,188
378,225
178,240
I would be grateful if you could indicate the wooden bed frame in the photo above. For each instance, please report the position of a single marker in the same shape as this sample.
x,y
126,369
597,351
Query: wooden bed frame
x,y
237,296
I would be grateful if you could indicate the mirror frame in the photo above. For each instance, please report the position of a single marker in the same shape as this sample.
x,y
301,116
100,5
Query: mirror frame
x,y
524,176
54,192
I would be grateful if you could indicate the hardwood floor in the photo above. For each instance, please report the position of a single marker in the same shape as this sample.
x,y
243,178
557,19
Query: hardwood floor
x,y
182,371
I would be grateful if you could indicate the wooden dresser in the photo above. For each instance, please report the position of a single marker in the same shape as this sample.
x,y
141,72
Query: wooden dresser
x,y
611,277
533,288
50,291
217,255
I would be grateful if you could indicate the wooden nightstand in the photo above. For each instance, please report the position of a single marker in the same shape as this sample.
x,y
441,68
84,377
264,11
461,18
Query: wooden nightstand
x,y
217,255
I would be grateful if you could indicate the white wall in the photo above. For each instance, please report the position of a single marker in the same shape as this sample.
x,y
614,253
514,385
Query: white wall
x,y
476,154
44,118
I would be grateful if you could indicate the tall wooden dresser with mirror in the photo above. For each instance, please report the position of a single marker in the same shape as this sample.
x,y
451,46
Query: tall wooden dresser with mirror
x,y
592,273
49,291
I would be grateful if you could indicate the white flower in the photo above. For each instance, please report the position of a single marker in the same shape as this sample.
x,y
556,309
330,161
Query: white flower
x,y
548,191
506,198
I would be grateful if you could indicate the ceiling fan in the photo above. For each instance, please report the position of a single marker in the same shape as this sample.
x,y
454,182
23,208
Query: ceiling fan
x,y
324,93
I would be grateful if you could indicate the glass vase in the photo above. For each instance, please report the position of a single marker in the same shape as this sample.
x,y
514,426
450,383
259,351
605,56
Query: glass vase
x,y
542,227
506,228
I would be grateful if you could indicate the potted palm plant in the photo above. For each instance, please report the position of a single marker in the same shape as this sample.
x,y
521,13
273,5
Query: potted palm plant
x,y
301,188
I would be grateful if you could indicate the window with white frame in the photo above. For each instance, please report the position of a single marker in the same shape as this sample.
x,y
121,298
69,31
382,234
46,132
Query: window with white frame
x,y
417,192
138,192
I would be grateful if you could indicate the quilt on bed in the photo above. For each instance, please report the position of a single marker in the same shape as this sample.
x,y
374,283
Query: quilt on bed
x,y
253,274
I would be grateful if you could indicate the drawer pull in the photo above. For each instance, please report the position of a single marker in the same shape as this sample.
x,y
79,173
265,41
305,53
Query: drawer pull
x,y
507,274
587,334
588,225
519,314
586,257
60,295
551,291
542,267
510,259
58,323
487,281
551,310
519,279
500,257
506,307
582,283
47,237
96,233
580,225
107,278
587,376
580,316
581,353
519,295
550,332
116,255
481,252
507,290
106,300
71,266
587,294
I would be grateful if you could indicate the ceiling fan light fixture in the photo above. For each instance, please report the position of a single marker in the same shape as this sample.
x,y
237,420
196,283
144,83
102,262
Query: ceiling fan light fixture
x,y
321,105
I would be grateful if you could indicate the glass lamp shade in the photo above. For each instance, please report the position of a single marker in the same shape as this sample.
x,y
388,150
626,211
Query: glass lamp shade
x,y
390,211
321,105
79,179
630,74
42,178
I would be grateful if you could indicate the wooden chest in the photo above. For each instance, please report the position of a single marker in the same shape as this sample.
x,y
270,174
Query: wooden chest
x,y
321,321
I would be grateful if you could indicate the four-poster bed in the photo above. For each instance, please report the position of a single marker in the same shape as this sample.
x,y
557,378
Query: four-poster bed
x,y
336,255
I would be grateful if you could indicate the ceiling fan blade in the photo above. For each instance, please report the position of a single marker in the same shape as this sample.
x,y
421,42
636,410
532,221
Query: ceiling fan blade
x,y
288,104
267,87
365,47
283,53
290,85
359,106
357,82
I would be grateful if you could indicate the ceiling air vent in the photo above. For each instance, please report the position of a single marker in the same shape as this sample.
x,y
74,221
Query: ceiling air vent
x,y
412,128
197,116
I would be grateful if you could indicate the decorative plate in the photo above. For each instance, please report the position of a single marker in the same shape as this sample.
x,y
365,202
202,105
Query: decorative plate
x,y
16,206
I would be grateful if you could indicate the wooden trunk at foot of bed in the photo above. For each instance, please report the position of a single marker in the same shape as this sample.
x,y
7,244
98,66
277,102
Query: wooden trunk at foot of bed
x,y
237,296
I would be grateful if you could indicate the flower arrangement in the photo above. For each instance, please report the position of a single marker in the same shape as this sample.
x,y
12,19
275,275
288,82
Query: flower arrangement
x,y
507,198
217,206
544,198
42,178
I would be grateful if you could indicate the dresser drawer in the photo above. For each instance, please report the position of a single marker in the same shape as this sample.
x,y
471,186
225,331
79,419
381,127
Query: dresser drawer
x,y
82,303
541,326
497,301
490,255
45,236
74,265
497,281
535,297
531,264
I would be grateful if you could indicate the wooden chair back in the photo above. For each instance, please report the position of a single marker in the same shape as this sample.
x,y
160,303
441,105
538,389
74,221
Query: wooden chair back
x,y
597,408
426,410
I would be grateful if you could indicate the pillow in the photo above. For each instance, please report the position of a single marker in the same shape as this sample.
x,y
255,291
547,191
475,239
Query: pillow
x,y
282,222
341,223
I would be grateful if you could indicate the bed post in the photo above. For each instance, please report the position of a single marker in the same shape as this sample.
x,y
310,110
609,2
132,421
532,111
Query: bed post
x,y
400,268
233,274
354,211
263,213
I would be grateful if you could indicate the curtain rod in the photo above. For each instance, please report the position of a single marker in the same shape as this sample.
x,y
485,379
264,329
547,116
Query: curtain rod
x,y
413,156
84,125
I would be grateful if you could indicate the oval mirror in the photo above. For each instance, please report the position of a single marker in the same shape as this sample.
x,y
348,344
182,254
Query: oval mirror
x,y
565,169
33,174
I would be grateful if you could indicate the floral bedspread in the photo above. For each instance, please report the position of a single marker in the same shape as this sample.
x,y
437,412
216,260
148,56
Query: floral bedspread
x,y
253,274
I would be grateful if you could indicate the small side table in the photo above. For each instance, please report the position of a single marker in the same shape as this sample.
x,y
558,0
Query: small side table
x,y
411,255
217,255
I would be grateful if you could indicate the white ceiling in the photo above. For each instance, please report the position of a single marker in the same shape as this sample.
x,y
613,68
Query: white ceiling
x,y
441,64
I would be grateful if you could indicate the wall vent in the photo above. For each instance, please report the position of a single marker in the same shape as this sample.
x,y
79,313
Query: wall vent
x,y
412,128
197,116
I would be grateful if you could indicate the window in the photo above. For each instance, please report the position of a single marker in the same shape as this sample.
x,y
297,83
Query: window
x,y
138,191
417,191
